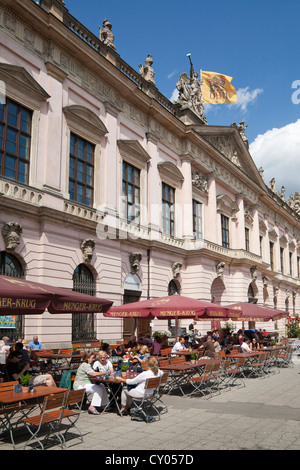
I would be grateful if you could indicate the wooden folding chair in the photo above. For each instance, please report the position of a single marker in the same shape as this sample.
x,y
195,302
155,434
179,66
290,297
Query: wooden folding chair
x,y
201,383
50,417
75,398
257,368
141,407
285,357
165,351
160,392
236,371
75,362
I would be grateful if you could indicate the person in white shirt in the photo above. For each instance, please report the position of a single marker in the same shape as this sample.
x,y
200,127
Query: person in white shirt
x,y
138,392
103,364
179,346
245,346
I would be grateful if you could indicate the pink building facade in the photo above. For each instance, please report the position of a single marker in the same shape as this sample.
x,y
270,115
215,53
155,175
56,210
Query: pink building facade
x,y
113,190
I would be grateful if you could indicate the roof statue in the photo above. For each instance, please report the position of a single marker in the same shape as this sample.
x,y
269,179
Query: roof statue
x,y
147,71
106,35
190,92
273,186
241,127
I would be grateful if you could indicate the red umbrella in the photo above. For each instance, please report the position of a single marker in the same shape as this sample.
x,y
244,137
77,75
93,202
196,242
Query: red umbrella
x,y
254,312
22,297
172,306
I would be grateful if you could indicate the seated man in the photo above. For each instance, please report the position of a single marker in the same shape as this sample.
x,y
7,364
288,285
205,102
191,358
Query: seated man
x,y
180,345
35,344
208,346
15,370
245,346
25,356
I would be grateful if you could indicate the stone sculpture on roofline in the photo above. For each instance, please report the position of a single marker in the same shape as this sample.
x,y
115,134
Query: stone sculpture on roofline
x,y
146,70
106,35
190,92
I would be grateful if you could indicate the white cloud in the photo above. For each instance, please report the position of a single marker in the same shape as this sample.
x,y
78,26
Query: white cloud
x,y
174,95
245,97
278,153
172,74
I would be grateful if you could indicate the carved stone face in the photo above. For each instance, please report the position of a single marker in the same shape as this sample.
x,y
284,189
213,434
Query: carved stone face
x,y
11,233
135,259
87,248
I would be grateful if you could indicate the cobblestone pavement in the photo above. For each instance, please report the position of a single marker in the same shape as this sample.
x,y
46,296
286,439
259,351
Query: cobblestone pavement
x,y
264,415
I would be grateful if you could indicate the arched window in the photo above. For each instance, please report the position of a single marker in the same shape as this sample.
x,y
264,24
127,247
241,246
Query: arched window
x,y
173,288
83,323
11,266
251,295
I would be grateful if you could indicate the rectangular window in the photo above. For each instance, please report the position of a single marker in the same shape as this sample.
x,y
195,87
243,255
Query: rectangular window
x,y
291,263
15,141
81,171
272,255
197,219
247,239
131,193
168,209
298,267
261,245
225,230
281,259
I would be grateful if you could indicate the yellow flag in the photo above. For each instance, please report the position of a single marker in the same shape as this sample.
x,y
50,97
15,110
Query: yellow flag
x,y
217,88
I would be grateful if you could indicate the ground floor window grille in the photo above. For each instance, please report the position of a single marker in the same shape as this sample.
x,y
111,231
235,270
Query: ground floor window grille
x,y
83,328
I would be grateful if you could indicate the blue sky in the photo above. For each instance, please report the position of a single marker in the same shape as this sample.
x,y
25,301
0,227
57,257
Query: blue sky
x,y
256,42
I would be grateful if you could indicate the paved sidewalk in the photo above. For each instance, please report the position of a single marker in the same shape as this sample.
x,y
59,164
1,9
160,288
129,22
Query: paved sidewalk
x,y
265,415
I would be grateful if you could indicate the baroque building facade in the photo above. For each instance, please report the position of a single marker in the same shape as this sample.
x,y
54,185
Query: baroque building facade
x,y
108,188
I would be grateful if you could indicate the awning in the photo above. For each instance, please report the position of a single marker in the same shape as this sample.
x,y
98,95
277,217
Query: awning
x,y
254,312
172,306
22,297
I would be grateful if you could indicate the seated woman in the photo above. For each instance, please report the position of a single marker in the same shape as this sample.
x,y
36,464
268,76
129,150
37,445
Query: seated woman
x,y
254,345
141,356
103,365
157,344
117,354
83,380
140,380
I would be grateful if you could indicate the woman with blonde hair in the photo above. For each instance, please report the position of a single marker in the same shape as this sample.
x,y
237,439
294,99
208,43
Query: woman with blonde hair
x,y
103,365
138,392
142,354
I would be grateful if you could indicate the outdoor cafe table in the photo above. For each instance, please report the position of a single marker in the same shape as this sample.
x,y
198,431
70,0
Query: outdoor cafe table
x,y
9,401
114,387
59,357
182,372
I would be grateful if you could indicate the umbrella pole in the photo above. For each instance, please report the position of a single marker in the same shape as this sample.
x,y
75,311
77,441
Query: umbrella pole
x,y
176,328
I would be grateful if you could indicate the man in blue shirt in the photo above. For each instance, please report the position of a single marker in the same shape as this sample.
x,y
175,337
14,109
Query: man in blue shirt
x,y
35,345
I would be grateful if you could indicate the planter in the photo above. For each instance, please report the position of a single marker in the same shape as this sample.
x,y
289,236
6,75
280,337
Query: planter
x,y
124,375
25,389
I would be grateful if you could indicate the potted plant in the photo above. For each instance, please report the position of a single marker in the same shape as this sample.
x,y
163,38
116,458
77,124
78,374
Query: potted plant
x,y
24,380
124,369
193,357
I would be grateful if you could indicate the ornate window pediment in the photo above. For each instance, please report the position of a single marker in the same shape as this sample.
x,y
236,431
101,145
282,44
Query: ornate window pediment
x,y
85,123
273,234
21,86
226,206
170,173
283,240
262,227
133,152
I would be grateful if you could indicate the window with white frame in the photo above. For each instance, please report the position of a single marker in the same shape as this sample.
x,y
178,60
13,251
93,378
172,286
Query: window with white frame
x,y
197,219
